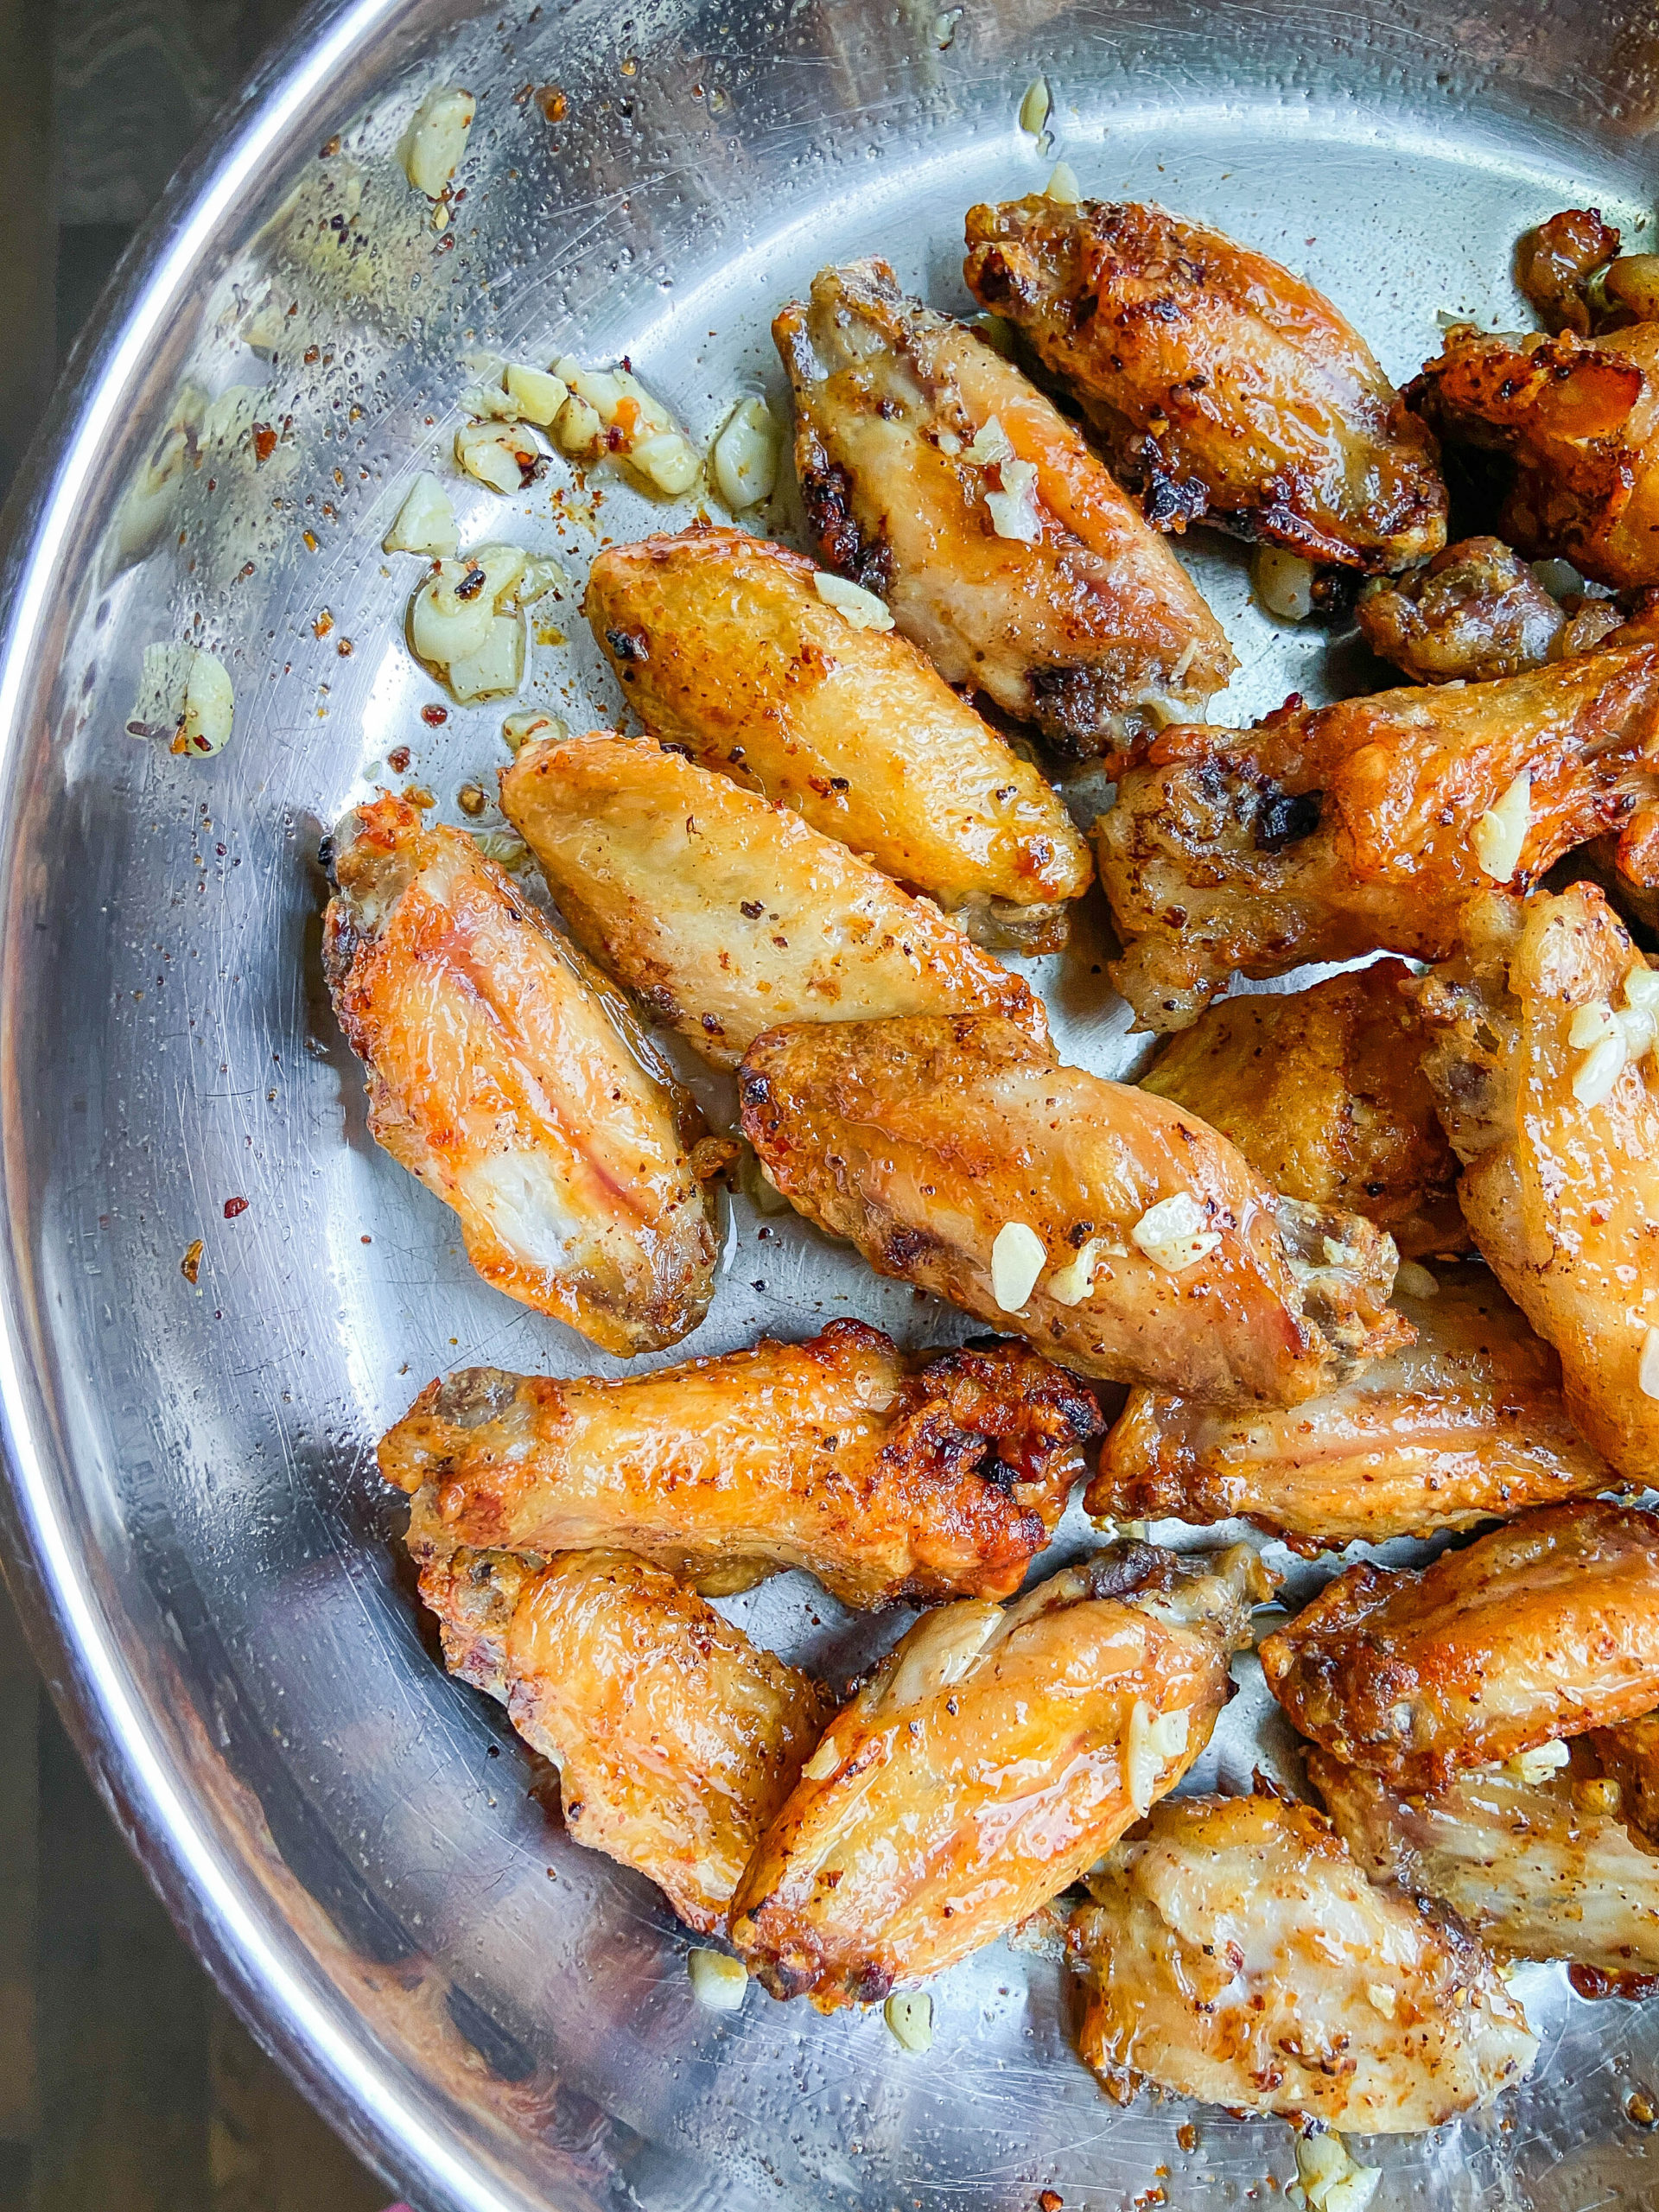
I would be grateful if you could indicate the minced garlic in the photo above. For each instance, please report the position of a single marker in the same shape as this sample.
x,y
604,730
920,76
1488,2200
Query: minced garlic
x,y
435,142
1018,1258
1499,835
717,1981
1172,1232
855,605
909,2020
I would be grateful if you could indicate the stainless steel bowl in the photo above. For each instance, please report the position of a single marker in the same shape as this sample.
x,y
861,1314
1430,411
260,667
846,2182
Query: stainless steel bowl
x,y
500,2018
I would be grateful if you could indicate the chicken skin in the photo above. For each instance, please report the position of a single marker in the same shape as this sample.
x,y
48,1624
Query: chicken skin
x,y
676,1739
1111,1228
991,1757
725,914
1466,1425
1630,1757
1366,826
1534,1632
1476,613
1534,1868
934,472
1235,1953
1541,1058
888,1476
1223,385
726,648
515,1083
1574,424
1321,1092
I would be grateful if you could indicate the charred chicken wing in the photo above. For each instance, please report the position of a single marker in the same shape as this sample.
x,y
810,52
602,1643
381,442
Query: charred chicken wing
x,y
888,1477
1107,1225
726,913
994,1755
1223,385
1537,1631
515,1084
726,647
676,1739
933,473
1235,1953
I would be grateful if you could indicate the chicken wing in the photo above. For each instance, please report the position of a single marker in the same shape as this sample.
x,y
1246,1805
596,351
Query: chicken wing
x,y
1574,425
1630,1757
888,1477
1365,826
1223,385
1464,1426
726,647
676,1739
1537,1631
1105,1224
1477,612
1235,1953
506,1076
1542,1037
1532,1869
1321,1092
993,1755
1555,263
934,472
725,914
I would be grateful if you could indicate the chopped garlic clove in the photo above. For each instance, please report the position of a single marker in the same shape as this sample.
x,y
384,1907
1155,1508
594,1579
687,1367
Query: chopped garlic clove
x,y
822,1762
1172,1232
209,707
1647,1372
520,730
668,461
1499,835
538,395
449,617
497,668
1599,1070
542,573
1641,988
426,521
436,141
1036,107
1063,186
860,608
1154,1740
1415,1281
1329,2178
1071,1284
746,456
491,402
1539,1763
718,1982
1590,1024
498,455
991,442
1014,511
579,429
1283,582
1018,1258
909,2020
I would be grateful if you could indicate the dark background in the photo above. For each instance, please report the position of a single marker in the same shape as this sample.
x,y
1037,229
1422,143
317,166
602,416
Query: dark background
x,y
126,2084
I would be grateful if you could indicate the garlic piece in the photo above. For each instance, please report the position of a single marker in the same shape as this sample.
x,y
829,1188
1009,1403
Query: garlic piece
x,y
1382,1999
1499,835
533,727
1415,1280
1063,186
497,669
1647,1371
1014,509
426,521
909,2020
991,442
436,141
1283,582
1599,1070
1154,1740
1035,107
1017,1260
1539,1763
822,1762
209,706
579,428
667,459
498,455
860,608
746,456
1071,1284
1641,988
1591,1023
718,1982
1172,1232
1329,2178
537,393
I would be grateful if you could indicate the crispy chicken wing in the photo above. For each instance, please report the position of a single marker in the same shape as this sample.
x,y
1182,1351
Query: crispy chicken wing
x,y
992,1756
1365,826
1321,1092
507,1077
888,1476
1464,1426
1536,1869
725,646
1221,383
1107,1225
727,913
1630,1756
1235,1953
1574,424
1541,1061
1475,612
934,472
1534,1632
676,1739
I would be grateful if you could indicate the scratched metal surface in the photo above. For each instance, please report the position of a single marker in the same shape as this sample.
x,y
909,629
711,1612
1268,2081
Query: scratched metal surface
x,y
212,1569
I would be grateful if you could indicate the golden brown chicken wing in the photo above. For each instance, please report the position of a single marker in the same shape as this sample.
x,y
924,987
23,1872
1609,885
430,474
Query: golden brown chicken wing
x,y
1477,612
1104,1223
1536,1869
934,472
1630,1757
725,647
1466,1425
1541,1061
676,1739
1537,1631
1235,1953
888,1476
1574,425
992,1756
514,1082
726,913
1553,264
1321,1092
1365,826
1224,386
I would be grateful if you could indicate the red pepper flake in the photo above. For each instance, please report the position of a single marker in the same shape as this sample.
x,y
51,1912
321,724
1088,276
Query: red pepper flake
x,y
312,355
234,1206
552,103
323,624
190,1265
264,443
398,759
434,717
1187,2136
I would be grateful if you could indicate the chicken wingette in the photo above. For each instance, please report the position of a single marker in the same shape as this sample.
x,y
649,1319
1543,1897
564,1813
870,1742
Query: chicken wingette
x,y
725,646
726,913
889,1476
934,473
1221,385
1235,1952
992,1756
1112,1228
515,1083
1477,612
